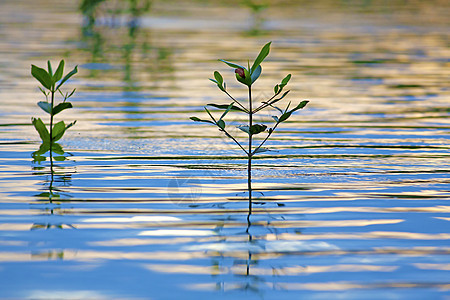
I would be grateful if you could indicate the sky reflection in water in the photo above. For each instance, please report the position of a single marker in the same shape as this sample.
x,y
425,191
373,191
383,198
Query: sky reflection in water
x,y
352,202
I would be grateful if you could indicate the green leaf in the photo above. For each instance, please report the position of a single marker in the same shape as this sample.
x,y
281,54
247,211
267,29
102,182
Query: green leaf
x,y
70,74
276,88
255,75
279,87
286,80
47,107
59,71
38,158
300,106
59,158
221,85
56,148
248,77
71,93
60,107
59,129
233,65
49,67
42,76
257,128
244,128
218,84
226,111
41,129
48,195
218,77
285,116
42,150
221,124
261,56
260,150
200,120
225,106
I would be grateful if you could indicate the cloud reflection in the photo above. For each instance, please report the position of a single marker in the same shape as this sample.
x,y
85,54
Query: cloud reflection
x,y
132,219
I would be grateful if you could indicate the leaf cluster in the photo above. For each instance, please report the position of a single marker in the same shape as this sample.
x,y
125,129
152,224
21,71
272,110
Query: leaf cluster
x,y
51,84
247,76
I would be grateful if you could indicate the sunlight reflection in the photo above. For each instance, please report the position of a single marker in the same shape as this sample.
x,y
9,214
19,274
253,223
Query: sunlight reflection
x,y
270,246
66,294
79,255
423,266
139,242
175,232
185,269
132,219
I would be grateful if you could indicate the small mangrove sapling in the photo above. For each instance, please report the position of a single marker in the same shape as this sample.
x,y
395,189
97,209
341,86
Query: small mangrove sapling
x,y
51,85
247,76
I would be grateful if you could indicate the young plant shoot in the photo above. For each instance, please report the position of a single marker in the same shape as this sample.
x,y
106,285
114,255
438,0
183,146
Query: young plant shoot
x,y
248,76
51,85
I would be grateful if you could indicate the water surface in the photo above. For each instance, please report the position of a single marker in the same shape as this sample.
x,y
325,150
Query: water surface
x,y
351,202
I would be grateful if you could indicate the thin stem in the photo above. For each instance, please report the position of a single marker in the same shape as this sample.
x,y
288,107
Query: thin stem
x,y
234,140
265,104
51,122
249,154
232,98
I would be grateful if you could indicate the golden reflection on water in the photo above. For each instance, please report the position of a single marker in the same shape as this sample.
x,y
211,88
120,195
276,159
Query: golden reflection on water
x,y
356,189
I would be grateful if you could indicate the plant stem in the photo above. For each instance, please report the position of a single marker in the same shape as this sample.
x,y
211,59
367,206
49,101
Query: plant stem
x,y
249,153
265,104
51,122
234,140
237,102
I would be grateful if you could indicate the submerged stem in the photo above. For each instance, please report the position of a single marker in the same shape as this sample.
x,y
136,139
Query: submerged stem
x,y
51,123
51,143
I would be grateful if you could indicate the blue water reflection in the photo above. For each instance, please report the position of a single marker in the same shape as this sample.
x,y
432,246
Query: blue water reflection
x,y
351,203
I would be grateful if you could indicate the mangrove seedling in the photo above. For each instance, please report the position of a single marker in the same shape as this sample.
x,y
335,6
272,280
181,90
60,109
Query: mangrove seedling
x,y
51,85
247,76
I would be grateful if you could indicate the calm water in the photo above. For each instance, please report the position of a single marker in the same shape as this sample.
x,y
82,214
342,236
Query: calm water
x,y
352,203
